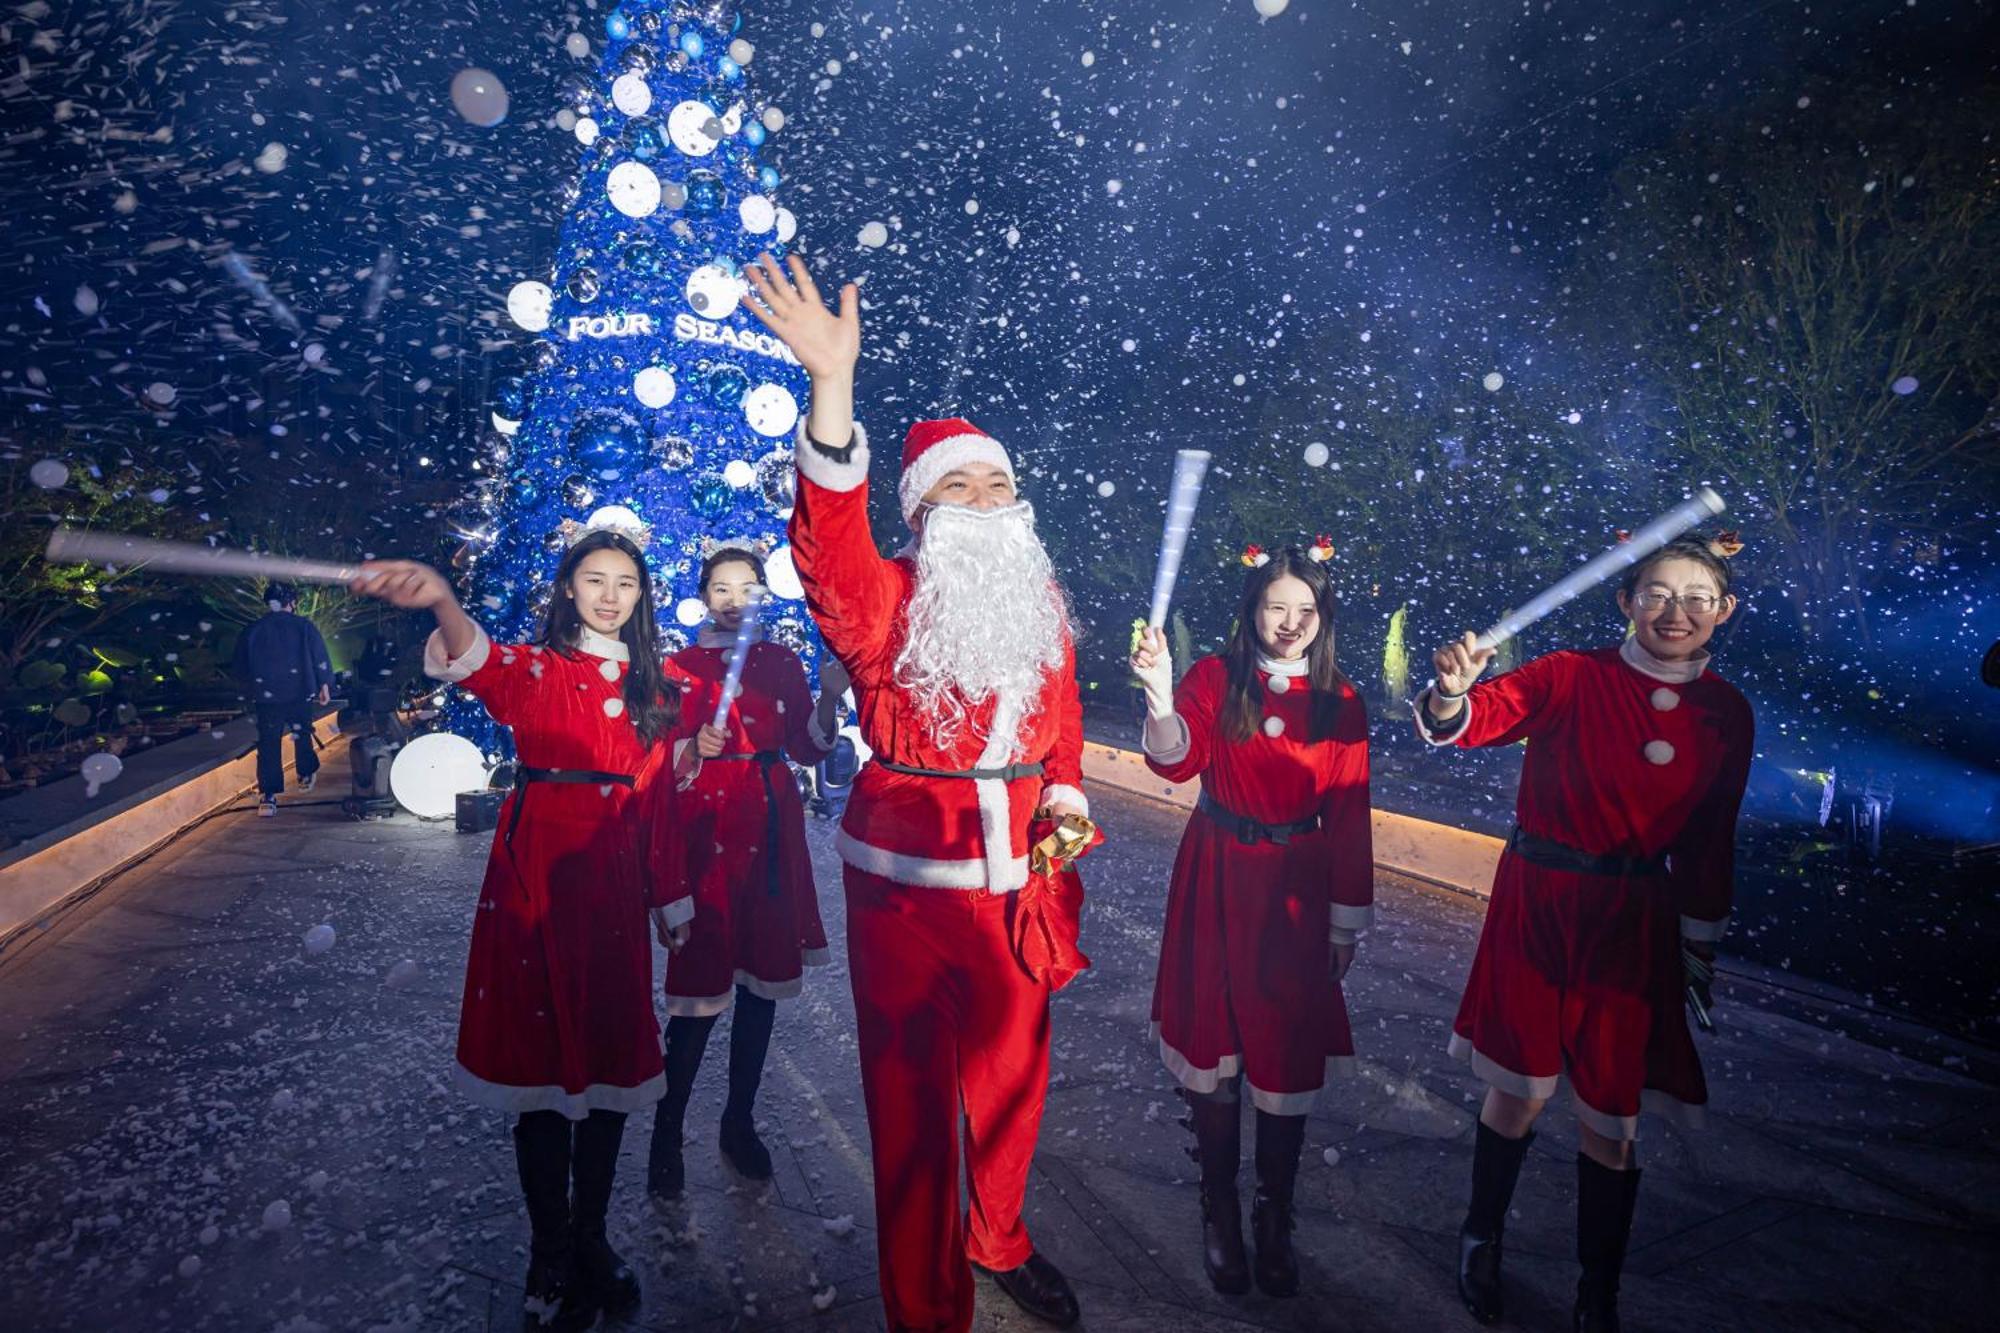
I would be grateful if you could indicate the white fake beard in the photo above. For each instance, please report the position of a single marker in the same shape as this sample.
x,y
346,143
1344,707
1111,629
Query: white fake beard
x,y
987,618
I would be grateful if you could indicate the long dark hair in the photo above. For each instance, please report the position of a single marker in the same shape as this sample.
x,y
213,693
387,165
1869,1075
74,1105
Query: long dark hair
x,y
1242,703
652,704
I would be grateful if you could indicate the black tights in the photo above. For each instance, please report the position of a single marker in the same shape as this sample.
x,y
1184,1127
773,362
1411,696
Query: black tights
x,y
749,1044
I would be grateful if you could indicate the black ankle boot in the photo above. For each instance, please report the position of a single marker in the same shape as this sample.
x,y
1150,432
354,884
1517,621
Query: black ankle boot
x,y
1604,1202
666,1171
749,1043
1218,1136
1279,1141
608,1280
1496,1166
553,1299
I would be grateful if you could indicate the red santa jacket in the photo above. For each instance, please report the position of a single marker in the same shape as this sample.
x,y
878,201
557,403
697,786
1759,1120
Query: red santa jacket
x,y
949,833
1627,756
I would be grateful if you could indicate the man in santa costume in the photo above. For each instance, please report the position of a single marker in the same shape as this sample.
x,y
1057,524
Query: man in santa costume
x,y
965,682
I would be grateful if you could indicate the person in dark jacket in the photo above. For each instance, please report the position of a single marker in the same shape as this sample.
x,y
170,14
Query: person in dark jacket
x,y
282,658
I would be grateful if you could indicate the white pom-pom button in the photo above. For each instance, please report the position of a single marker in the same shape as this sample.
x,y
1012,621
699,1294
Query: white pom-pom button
x,y
1274,727
1659,752
1280,684
608,669
615,707
1666,700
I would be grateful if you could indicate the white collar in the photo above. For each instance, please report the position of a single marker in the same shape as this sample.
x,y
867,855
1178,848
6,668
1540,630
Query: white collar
x,y
1674,673
712,635
590,641
1271,666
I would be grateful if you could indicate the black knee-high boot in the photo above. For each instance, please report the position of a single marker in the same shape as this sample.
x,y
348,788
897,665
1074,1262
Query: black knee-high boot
x,y
1604,1202
666,1172
1218,1137
553,1299
1280,1138
1496,1166
749,1044
594,1163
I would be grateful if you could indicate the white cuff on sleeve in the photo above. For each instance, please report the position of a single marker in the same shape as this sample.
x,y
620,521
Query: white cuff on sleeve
x,y
1703,932
678,912
1165,739
1059,793
829,473
1352,919
439,666
1423,720
684,751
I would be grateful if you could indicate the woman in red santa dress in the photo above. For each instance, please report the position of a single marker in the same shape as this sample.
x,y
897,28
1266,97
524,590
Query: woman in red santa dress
x,y
756,923
1274,880
1611,893
557,1021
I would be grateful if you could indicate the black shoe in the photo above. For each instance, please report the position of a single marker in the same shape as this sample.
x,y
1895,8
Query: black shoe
x,y
1039,1288
1223,1256
604,1278
1277,1266
555,1300
744,1151
666,1171
1218,1137
1479,1276
1596,1308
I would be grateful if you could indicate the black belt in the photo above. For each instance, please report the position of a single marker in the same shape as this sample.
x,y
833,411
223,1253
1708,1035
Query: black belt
x,y
1007,774
581,777
766,760
1553,855
1250,831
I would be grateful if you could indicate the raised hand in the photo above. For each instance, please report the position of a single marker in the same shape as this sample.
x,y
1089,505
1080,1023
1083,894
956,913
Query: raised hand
x,y
1153,664
826,344
404,583
1461,663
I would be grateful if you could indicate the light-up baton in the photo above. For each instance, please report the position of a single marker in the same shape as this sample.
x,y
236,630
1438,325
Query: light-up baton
x,y
739,653
1190,466
120,551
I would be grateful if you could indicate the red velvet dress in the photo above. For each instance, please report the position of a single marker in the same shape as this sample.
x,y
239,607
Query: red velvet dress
x,y
1580,974
558,1008
1245,985
756,917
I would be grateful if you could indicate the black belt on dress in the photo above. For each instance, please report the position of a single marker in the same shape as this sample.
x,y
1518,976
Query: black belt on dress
x,y
1553,855
766,760
1007,774
582,777
1250,831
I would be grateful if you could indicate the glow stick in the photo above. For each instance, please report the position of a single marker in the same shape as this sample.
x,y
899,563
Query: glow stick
x,y
119,550
1706,504
1190,466
739,653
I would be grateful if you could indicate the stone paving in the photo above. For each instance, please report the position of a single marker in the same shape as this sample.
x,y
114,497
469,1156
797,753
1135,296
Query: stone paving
x,y
202,1126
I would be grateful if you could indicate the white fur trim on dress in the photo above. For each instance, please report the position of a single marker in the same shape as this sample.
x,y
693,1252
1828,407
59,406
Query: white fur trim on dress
x,y
825,472
552,1097
1165,740
682,749
678,912
1423,723
1061,793
1229,1067
1703,932
922,872
1347,916
706,1006
947,455
1625,1128
816,957
1530,1087
440,665
1340,935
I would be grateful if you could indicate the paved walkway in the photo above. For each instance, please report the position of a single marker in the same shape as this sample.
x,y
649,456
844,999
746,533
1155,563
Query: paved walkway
x,y
174,1067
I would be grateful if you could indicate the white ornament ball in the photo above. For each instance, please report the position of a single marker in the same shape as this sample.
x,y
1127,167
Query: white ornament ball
x,y
633,189
1317,454
781,576
738,473
160,394
774,119
577,45
694,128
713,292
873,235
528,305
613,516
479,96
586,131
1494,379
771,410
741,51
758,213
690,611
788,225
654,386
277,1215
49,473
630,94
1270,9
502,424
319,939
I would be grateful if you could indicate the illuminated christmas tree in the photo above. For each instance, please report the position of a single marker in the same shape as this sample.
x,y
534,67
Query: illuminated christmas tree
x,y
647,385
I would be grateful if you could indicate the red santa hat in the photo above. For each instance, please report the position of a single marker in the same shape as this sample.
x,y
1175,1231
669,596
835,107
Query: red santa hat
x,y
933,448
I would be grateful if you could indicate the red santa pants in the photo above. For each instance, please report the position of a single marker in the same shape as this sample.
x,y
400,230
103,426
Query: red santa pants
x,y
953,1031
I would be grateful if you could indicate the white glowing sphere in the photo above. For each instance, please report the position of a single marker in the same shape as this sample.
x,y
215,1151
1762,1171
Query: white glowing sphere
x,y
319,939
690,611
613,516
1270,9
774,119
654,386
479,96
577,45
694,128
49,473
630,94
758,213
738,473
432,770
1317,454
741,51
528,305
162,394
873,235
586,131
788,225
1494,379
781,576
771,411
713,292
272,160
634,189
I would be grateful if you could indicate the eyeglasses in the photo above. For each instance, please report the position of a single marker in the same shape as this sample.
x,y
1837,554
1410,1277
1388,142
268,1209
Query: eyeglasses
x,y
1694,603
